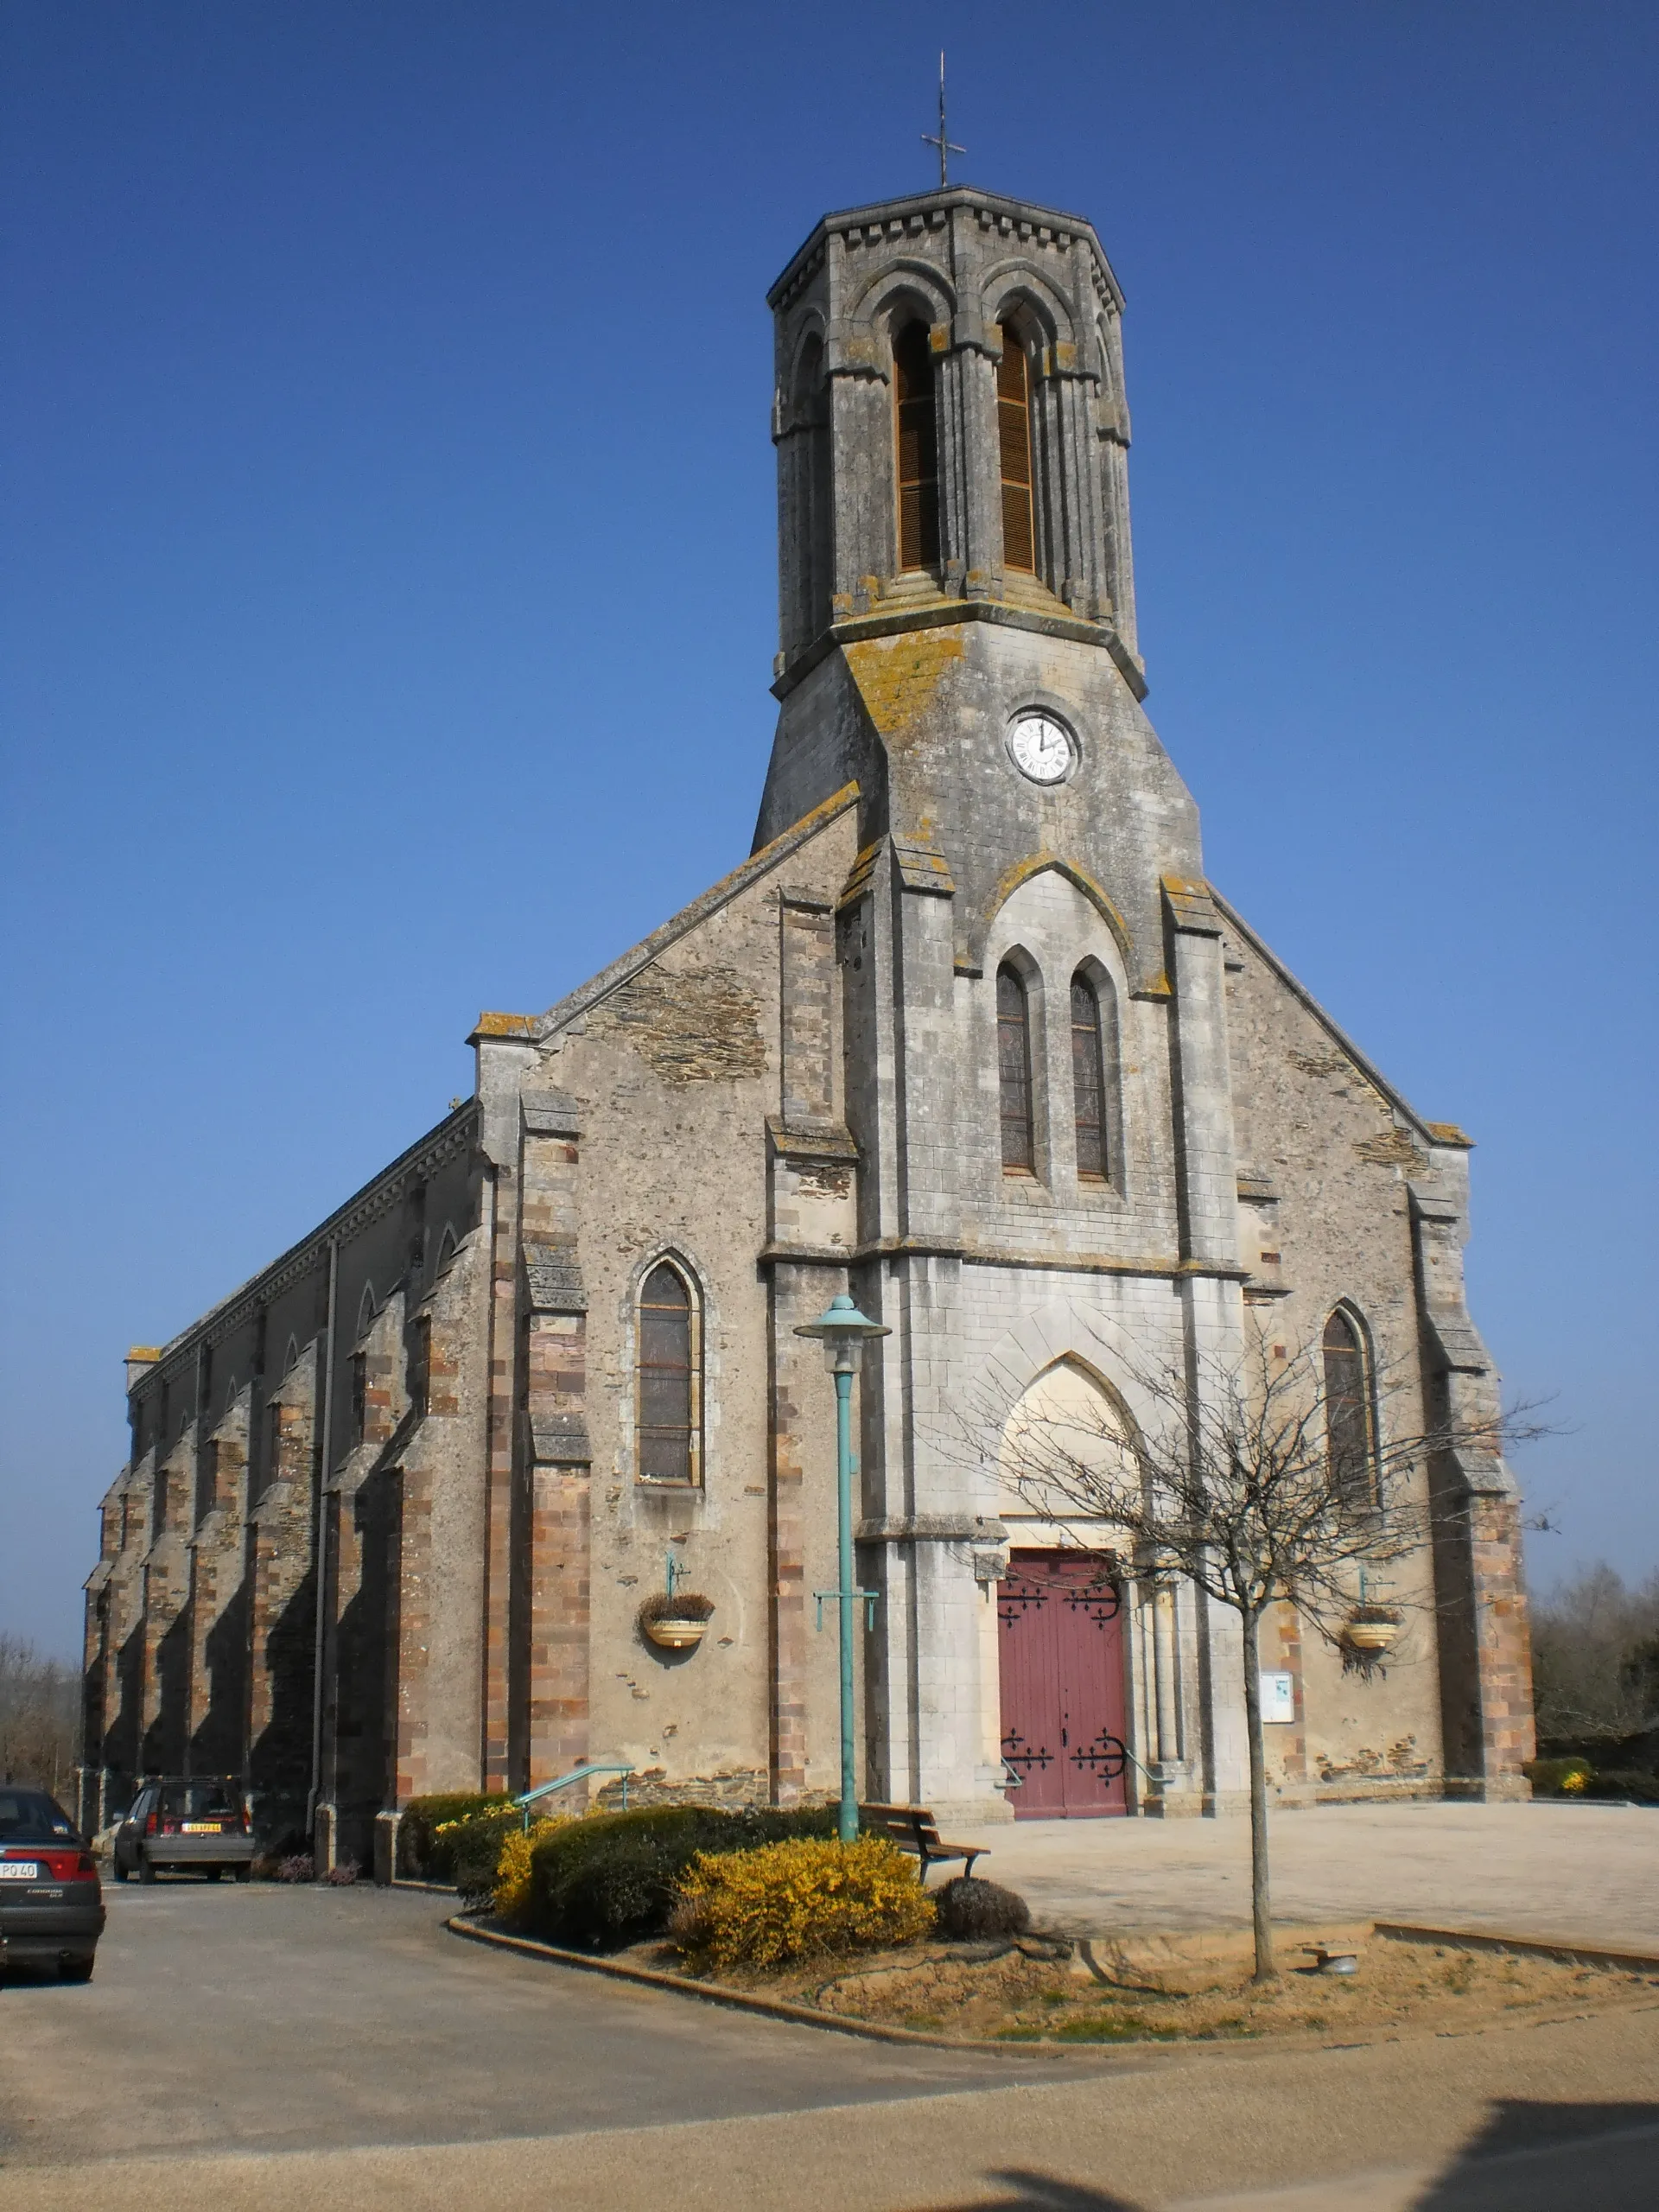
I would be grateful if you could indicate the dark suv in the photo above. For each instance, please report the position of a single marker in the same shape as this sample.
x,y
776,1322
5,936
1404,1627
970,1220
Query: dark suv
x,y
175,1827
51,1900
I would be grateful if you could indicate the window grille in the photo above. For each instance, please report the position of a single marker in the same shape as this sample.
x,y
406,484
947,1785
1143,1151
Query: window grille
x,y
1088,1082
668,1378
1014,1071
1348,1414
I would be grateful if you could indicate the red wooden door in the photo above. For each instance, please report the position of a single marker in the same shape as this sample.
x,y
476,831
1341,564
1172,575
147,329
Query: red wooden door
x,y
1060,1638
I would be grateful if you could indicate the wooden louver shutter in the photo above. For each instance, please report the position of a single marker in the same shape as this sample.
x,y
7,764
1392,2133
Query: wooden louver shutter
x,y
917,448
1013,437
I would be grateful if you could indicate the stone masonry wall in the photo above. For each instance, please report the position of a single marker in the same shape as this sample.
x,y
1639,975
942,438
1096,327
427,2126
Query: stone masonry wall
x,y
1325,1217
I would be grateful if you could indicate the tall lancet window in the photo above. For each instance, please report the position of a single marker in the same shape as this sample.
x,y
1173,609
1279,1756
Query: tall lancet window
x,y
1014,1071
916,427
1348,1413
669,1379
1088,1082
1013,437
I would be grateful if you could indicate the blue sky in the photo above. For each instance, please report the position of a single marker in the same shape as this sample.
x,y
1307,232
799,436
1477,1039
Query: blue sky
x,y
387,581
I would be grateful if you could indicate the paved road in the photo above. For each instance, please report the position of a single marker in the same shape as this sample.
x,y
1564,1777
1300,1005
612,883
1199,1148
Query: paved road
x,y
269,2018
1586,1872
295,2048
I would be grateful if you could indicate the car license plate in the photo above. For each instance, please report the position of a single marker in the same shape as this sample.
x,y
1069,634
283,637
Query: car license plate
x,y
19,1870
200,1827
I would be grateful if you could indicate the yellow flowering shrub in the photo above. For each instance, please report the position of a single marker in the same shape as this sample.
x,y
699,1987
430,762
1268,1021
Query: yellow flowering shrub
x,y
1573,1784
511,1898
788,1900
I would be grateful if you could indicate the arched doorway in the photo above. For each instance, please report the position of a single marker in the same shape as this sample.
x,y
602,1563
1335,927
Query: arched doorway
x,y
1060,1611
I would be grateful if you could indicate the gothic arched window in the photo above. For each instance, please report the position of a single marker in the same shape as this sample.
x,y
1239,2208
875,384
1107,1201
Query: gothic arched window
x,y
1014,440
669,1362
1013,1069
1089,1081
916,422
1348,1435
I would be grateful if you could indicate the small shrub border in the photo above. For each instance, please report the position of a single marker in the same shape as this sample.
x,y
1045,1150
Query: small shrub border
x,y
420,1855
797,1899
612,1879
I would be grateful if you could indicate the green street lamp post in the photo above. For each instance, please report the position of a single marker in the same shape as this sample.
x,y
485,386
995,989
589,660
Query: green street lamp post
x,y
842,1329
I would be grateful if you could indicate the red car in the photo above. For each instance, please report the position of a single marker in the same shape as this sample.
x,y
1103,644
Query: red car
x,y
51,1899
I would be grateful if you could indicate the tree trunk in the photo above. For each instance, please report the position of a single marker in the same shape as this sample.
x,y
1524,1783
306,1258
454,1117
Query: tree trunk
x,y
1261,1904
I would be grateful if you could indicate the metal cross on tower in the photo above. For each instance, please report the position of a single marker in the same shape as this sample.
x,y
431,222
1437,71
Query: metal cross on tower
x,y
943,143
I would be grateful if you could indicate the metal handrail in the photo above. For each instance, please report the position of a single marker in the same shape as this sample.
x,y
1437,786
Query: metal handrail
x,y
576,1774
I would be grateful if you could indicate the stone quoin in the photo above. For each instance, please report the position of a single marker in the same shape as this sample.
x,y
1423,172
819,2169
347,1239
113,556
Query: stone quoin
x,y
969,1036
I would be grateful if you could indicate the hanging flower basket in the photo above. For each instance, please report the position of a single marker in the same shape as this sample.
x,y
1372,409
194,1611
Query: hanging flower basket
x,y
1367,1637
676,1623
1372,1628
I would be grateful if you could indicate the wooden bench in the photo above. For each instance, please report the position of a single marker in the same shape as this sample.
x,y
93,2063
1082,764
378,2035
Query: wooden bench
x,y
913,1829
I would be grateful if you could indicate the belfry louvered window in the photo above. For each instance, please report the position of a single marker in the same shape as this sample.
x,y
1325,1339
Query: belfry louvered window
x,y
1348,1427
669,1392
916,431
1088,1082
1014,1071
1013,439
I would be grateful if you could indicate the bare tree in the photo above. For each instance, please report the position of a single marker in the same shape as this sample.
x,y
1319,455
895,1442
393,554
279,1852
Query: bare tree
x,y
40,1716
1258,1478
1595,1653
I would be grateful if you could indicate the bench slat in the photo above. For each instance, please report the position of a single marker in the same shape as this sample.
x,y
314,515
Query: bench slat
x,y
913,1829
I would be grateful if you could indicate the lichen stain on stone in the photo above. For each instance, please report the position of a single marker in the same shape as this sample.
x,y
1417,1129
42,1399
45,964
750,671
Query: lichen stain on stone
x,y
824,1182
898,677
697,1025
1395,1148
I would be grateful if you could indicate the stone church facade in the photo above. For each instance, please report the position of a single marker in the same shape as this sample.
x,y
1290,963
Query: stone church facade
x,y
969,1035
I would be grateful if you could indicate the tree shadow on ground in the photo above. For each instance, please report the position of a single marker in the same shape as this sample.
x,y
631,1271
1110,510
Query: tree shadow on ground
x,y
1529,2157
1034,2192
1554,2158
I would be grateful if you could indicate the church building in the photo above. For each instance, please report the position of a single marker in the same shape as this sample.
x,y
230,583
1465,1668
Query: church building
x,y
968,1036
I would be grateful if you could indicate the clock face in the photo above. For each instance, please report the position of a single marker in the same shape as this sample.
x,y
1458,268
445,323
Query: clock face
x,y
1042,747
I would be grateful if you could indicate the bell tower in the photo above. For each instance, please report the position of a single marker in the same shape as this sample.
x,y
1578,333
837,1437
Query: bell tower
x,y
950,422
954,554
952,443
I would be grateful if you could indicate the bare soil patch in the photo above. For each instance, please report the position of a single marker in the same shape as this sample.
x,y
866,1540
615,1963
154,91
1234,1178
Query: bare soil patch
x,y
1188,1988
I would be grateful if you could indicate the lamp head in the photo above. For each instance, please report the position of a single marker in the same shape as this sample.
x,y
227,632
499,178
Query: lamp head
x,y
841,1329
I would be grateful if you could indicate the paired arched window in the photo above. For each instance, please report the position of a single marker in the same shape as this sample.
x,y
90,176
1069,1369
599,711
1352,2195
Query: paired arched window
x,y
1089,1097
1014,1071
916,429
670,1379
1349,1441
1014,442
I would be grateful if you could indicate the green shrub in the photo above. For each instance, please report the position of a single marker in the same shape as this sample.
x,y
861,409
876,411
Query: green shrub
x,y
797,1899
971,1909
612,1880
1559,1777
420,1856
1624,1781
471,1848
